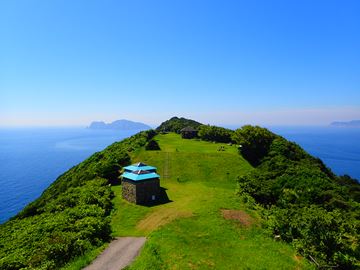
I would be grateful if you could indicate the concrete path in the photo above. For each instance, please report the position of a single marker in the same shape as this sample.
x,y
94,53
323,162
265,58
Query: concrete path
x,y
120,253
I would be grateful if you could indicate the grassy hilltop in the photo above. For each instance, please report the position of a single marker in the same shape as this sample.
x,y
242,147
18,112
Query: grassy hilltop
x,y
265,205
192,231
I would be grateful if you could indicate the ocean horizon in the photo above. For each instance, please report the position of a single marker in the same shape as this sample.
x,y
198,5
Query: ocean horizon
x,y
32,158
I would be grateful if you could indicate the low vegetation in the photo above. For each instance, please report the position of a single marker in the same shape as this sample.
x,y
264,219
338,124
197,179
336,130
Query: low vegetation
x,y
304,202
152,145
215,134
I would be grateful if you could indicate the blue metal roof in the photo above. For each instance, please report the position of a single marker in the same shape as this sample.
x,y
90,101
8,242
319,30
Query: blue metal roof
x,y
139,166
140,176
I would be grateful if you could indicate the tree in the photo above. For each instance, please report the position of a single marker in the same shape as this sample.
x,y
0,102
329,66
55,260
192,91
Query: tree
x,y
254,141
152,145
214,133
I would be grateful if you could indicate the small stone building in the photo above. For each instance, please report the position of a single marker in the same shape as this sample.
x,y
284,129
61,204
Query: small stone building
x,y
188,133
140,184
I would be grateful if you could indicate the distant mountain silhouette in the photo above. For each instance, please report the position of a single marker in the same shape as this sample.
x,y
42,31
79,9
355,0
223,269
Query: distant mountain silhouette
x,y
120,125
353,123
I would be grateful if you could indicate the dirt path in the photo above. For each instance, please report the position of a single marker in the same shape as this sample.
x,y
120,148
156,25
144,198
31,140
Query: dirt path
x,y
120,253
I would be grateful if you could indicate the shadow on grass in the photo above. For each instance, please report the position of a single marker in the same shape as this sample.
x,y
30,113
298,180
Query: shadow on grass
x,y
163,198
116,182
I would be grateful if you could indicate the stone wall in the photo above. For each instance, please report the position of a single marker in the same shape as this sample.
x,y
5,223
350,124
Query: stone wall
x,y
141,192
129,191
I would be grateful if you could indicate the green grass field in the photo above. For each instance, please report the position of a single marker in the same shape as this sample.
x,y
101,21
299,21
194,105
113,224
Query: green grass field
x,y
190,232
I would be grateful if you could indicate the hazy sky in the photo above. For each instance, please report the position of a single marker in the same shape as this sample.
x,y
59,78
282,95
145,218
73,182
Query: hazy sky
x,y
230,62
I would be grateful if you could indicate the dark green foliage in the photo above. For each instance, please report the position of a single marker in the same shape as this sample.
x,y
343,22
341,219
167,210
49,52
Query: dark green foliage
x,y
214,133
175,124
351,184
104,164
307,204
328,237
254,141
71,216
188,133
67,227
151,134
152,145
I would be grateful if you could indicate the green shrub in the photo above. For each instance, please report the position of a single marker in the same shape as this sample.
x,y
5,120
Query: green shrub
x,y
254,142
216,134
152,145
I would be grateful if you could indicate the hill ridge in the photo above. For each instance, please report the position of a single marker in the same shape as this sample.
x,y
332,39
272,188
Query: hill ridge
x,y
273,180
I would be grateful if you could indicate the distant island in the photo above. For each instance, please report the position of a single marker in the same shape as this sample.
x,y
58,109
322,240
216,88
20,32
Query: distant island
x,y
120,125
353,123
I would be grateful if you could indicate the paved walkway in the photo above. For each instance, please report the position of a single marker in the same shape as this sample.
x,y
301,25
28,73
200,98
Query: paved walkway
x,y
120,253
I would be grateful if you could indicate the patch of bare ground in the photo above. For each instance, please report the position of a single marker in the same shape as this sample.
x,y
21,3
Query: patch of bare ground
x,y
161,217
238,215
298,260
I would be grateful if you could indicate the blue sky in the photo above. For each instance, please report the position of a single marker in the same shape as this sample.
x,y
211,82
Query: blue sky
x,y
229,62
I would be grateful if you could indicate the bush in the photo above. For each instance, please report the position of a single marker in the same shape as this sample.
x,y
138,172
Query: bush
x,y
255,142
323,235
152,145
216,134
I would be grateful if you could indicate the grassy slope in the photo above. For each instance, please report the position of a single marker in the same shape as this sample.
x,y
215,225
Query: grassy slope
x,y
190,232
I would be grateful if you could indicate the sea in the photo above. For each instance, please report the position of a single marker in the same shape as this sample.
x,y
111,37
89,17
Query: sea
x,y
32,158
337,147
